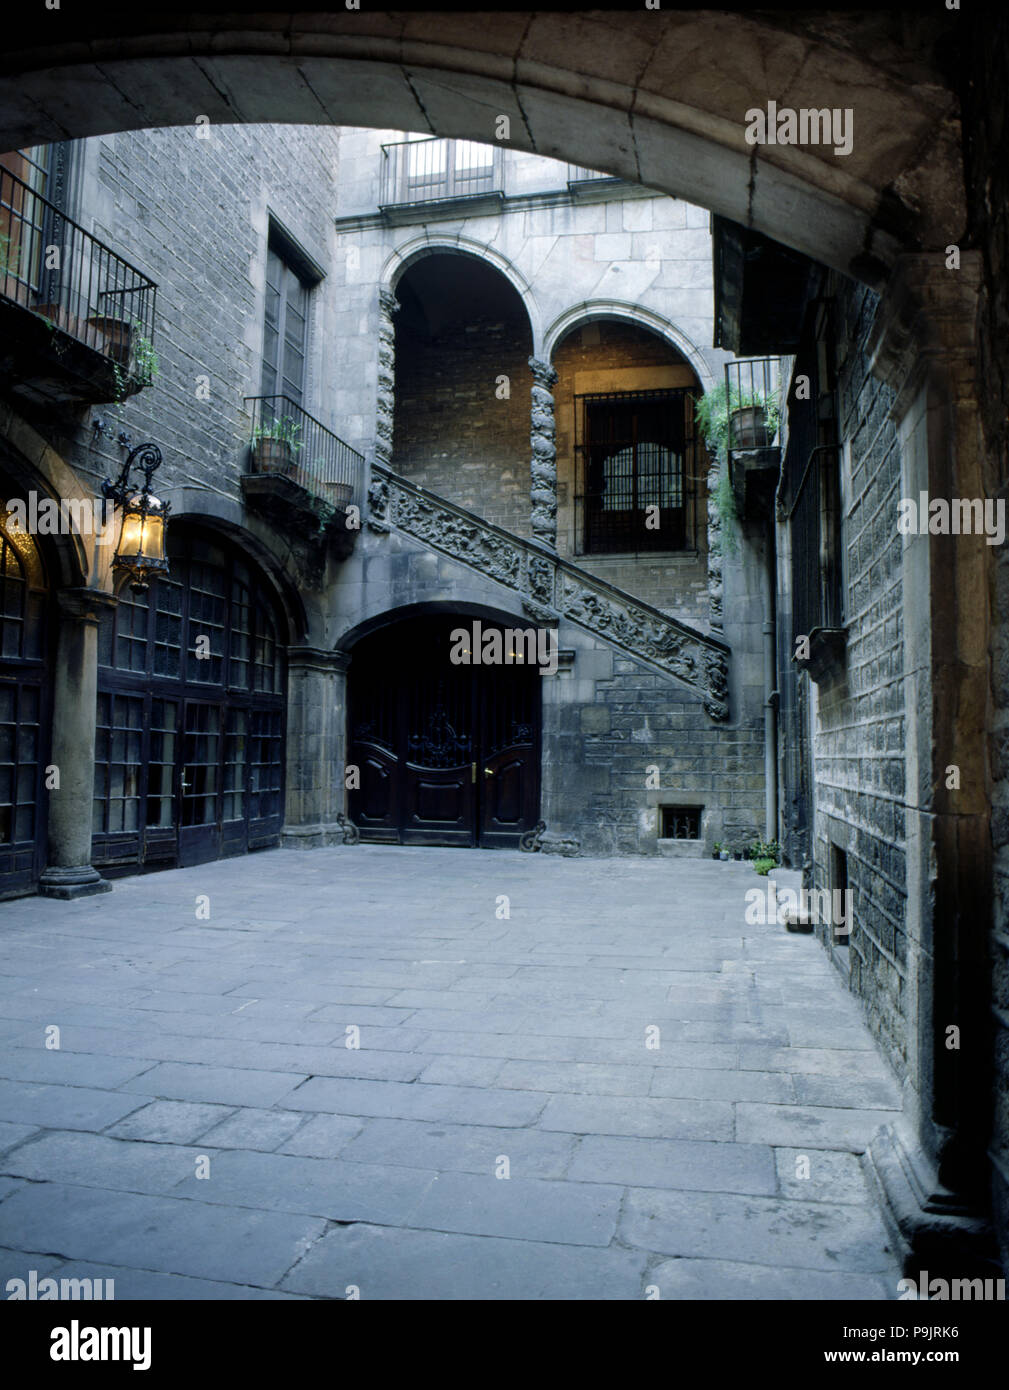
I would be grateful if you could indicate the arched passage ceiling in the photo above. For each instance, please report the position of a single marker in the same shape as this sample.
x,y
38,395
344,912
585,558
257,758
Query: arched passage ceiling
x,y
654,96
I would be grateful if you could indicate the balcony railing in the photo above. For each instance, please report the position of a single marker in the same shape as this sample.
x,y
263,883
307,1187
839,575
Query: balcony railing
x,y
62,273
287,442
425,171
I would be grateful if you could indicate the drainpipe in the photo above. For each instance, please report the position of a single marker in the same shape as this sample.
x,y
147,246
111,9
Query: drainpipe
x,y
770,691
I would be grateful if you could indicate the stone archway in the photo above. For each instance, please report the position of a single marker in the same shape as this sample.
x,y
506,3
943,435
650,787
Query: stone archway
x,y
660,98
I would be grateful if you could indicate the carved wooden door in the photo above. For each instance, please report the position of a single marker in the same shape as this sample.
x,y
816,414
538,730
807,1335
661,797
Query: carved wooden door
x,y
445,754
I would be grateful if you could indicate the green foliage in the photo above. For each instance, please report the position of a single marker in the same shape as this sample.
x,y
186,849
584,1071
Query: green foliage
x,y
284,430
760,850
10,262
713,410
764,866
144,359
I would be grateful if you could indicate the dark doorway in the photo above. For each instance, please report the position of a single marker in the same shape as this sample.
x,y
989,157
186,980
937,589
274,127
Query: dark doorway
x,y
448,754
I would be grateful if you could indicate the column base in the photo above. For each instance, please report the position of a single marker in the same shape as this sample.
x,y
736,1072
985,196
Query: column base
x,y
320,836
553,842
933,1228
79,882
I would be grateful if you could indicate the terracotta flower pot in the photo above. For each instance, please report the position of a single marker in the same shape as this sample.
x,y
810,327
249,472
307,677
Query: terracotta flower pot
x,y
748,427
117,333
273,456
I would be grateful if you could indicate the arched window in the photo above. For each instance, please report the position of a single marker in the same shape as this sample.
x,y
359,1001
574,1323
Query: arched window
x,y
189,739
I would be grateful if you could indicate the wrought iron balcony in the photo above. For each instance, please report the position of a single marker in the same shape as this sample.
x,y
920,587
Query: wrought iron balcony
x,y
298,469
752,406
439,171
77,319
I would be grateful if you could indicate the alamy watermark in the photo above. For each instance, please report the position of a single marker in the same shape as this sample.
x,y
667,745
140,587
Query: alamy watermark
x,y
819,906
59,516
958,516
955,1290
35,1289
510,646
807,126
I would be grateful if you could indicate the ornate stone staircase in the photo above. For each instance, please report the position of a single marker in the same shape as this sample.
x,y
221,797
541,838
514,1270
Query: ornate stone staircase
x,y
552,588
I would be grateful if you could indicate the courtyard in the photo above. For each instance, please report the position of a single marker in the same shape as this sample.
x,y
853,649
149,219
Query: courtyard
x,y
421,1073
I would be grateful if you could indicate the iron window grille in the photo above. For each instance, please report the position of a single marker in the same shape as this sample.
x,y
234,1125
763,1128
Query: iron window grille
x,y
681,822
636,468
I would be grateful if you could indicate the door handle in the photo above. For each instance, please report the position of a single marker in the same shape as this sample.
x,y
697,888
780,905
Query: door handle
x,y
473,772
488,772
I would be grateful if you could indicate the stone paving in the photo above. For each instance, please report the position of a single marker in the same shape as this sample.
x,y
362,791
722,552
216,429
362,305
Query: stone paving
x,y
489,1044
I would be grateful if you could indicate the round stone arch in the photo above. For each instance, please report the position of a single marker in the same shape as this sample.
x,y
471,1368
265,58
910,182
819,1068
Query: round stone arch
x,y
79,561
590,311
433,244
464,608
216,512
659,97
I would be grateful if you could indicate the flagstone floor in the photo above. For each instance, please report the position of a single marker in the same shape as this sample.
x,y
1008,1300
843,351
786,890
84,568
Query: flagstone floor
x,y
402,1073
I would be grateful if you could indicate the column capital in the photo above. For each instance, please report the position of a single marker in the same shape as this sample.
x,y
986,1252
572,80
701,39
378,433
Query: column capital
x,y
926,318
387,302
87,605
317,659
543,373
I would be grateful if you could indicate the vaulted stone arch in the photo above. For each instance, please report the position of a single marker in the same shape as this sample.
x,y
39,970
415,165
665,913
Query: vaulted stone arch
x,y
433,243
658,97
594,309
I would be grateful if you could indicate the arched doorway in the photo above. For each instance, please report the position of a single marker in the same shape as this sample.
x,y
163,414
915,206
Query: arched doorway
x,y
189,746
25,705
447,753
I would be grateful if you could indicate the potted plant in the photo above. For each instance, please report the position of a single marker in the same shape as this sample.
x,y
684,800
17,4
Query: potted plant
x,y
749,420
117,334
765,850
276,446
753,421
723,853
716,850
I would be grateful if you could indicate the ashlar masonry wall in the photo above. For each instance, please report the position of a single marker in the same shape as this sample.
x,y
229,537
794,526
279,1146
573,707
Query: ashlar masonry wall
x,y
859,718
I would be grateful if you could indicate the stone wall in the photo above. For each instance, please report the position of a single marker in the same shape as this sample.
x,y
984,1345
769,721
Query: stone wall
x,y
452,433
987,132
859,720
193,215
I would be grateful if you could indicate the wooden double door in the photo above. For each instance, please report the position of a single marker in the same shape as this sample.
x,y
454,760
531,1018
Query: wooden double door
x,y
446,754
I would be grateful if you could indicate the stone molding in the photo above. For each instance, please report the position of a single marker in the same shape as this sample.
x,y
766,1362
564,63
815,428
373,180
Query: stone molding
x,y
84,604
317,659
552,588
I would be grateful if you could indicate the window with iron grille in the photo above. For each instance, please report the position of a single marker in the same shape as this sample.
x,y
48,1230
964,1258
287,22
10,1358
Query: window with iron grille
x,y
636,467
681,822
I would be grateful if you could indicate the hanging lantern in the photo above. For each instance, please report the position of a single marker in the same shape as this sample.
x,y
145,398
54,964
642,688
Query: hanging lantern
x,y
141,549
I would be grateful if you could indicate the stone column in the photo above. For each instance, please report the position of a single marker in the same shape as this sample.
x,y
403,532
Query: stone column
x,y
316,746
544,454
75,696
932,1166
385,405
